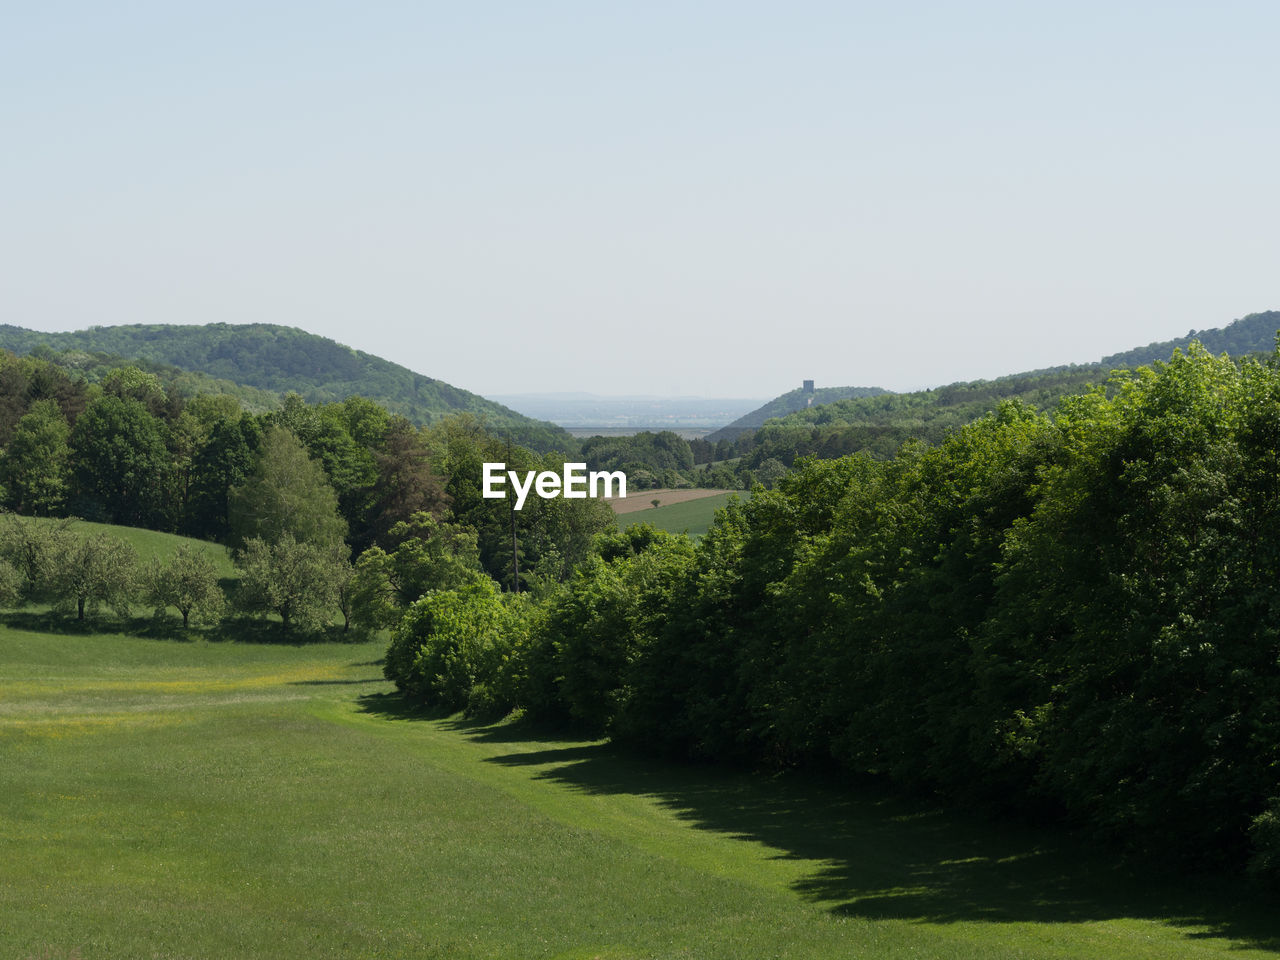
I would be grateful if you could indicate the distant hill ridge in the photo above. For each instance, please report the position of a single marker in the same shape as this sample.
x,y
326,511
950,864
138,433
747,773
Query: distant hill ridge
x,y
280,359
1254,333
790,402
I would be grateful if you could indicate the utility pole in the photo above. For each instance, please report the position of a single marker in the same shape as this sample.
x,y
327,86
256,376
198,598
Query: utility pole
x,y
515,559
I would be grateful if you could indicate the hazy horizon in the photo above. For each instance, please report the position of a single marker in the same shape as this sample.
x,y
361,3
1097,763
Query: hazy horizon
x,y
713,201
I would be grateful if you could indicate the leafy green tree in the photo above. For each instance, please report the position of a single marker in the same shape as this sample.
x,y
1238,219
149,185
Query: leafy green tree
x,y
431,555
225,460
25,381
120,463
343,582
187,581
406,483
185,436
87,573
11,584
35,468
286,493
130,383
348,466
290,578
770,472
601,623
559,535
366,421
210,408
454,646
296,416
559,528
1141,596
29,546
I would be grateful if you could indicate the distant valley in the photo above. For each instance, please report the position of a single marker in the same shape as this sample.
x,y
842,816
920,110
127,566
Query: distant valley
x,y
584,414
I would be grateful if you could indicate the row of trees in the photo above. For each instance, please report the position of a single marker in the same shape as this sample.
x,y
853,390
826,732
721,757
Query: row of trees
x,y
1076,615
51,563
130,450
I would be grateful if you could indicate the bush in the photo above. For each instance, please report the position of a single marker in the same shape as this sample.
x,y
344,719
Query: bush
x,y
1265,835
452,645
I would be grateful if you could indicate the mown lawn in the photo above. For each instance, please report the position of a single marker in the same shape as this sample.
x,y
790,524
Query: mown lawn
x,y
166,799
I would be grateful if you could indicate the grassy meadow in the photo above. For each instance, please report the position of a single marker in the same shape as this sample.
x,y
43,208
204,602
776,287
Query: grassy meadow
x,y
165,798
693,517
153,543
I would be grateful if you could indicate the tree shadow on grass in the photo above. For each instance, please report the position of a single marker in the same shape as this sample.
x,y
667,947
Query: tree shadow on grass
x,y
169,627
395,706
66,624
518,730
392,706
881,856
245,629
337,683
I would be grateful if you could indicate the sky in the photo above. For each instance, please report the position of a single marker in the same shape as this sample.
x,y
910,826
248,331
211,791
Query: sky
x,y
714,199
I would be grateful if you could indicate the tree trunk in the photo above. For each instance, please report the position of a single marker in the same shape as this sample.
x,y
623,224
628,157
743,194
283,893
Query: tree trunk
x,y
185,613
80,608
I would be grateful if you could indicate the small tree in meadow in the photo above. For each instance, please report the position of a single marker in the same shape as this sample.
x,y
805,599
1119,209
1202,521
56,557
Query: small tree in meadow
x,y
342,578
87,573
292,579
11,584
29,546
188,582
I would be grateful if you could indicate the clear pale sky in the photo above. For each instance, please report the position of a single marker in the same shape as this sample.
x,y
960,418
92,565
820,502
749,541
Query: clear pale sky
x,y
664,198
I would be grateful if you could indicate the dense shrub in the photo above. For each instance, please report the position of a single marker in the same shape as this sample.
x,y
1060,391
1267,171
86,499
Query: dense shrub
x,y
601,623
455,647
1076,615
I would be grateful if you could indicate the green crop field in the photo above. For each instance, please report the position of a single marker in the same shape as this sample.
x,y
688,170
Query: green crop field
x,y
693,516
164,799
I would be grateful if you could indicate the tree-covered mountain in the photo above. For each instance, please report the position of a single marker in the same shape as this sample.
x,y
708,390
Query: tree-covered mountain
x,y
887,419
880,424
280,359
1255,333
789,402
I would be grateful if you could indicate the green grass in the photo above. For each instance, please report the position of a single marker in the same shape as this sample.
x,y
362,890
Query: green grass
x,y
152,543
179,800
693,517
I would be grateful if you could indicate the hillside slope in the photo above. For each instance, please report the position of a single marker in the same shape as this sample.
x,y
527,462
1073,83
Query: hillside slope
x,y
790,402
279,359
944,407
1255,333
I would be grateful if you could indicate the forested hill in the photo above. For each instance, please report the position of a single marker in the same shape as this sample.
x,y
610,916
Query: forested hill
x,y
880,425
790,402
928,414
1255,333
280,359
